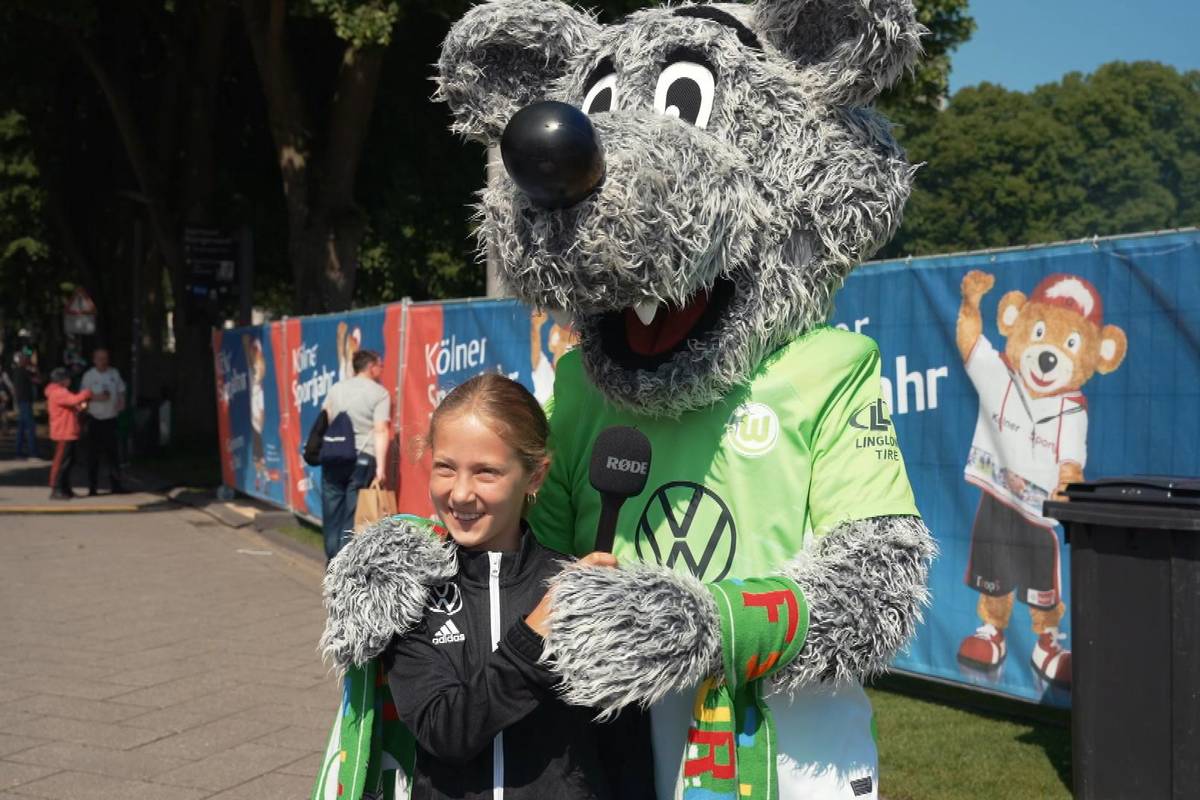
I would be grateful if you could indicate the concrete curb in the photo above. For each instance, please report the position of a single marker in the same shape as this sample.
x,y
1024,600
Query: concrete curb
x,y
66,507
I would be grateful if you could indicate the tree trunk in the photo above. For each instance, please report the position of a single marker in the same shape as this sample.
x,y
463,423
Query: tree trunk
x,y
193,390
325,224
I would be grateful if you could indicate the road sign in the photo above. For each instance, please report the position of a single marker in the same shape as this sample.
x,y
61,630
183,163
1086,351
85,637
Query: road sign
x,y
79,314
211,258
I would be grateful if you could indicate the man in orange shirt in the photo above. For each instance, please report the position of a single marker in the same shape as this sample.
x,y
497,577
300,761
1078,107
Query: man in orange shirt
x,y
63,406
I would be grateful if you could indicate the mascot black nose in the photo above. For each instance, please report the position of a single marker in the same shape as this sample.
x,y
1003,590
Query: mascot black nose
x,y
552,152
1047,361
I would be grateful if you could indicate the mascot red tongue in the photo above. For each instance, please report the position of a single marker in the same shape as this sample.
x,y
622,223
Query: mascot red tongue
x,y
776,557
667,329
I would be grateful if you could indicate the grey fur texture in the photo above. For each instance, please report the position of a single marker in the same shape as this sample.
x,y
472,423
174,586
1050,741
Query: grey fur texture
x,y
865,584
377,588
793,181
855,49
632,635
501,56
791,184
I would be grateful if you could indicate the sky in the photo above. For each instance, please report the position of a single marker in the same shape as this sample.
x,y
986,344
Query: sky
x,y
1021,44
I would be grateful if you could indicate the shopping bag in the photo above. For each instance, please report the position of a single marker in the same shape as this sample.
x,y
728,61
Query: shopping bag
x,y
374,503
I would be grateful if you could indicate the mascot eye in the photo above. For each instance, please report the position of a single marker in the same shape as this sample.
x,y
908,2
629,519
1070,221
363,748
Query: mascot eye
x,y
1073,342
685,90
601,95
1039,331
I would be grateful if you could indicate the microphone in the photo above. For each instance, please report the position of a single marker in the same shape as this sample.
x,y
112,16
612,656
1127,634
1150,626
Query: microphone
x,y
619,468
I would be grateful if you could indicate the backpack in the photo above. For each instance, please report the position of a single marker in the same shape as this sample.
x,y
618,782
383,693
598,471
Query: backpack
x,y
316,437
337,445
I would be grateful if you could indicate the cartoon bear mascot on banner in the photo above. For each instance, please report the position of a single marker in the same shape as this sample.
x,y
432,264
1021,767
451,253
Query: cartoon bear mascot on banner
x,y
690,186
1030,442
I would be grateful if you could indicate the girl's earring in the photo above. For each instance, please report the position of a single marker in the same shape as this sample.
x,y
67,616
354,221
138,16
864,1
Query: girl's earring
x,y
531,498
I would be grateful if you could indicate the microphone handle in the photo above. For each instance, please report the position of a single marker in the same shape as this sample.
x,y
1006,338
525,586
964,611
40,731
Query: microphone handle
x,y
606,528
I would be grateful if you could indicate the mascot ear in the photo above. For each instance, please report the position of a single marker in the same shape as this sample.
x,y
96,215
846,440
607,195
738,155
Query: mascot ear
x,y
1010,308
856,48
1112,349
502,56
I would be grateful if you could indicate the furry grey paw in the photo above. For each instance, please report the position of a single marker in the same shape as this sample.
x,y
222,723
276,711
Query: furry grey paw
x,y
377,586
865,587
630,635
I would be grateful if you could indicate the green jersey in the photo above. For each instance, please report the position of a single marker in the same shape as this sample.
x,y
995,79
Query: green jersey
x,y
736,489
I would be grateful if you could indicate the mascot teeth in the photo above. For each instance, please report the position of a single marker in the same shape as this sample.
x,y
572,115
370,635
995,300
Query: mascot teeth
x,y
646,311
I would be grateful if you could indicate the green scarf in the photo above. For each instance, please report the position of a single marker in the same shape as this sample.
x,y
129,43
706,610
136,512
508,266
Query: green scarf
x,y
370,754
731,742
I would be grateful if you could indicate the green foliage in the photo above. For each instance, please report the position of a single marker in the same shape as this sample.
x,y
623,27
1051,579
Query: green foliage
x,y
23,243
361,22
1114,152
913,102
21,198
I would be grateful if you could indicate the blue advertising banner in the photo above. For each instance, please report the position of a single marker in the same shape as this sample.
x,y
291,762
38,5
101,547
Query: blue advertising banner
x,y
263,474
447,343
252,453
1008,375
321,353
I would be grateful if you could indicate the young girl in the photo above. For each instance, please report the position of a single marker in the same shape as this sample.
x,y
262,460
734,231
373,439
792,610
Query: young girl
x,y
467,682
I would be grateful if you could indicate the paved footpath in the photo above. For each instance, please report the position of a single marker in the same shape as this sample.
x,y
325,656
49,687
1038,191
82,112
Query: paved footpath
x,y
157,656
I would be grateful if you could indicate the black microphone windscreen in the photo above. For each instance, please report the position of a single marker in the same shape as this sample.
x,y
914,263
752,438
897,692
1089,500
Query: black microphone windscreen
x,y
620,461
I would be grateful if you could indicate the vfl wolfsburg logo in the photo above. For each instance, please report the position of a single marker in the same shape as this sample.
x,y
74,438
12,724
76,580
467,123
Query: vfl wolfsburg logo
x,y
752,430
445,599
690,523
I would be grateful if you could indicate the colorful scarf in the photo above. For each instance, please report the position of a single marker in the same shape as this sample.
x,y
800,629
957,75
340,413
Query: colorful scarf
x,y
370,755
731,742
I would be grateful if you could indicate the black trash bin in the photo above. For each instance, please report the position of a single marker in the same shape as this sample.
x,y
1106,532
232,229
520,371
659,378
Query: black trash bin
x,y
1135,623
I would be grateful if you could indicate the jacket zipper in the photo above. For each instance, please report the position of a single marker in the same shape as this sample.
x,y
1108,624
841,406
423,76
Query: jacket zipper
x,y
494,603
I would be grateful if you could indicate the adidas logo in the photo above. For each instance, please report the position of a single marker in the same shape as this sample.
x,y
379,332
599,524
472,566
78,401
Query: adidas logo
x,y
448,633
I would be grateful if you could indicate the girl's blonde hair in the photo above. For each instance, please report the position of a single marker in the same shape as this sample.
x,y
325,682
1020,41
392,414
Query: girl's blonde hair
x,y
507,408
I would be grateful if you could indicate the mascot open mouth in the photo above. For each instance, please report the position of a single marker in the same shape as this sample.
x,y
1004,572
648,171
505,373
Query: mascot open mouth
x,y
636,344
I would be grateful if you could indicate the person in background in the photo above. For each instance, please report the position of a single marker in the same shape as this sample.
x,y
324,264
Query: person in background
x,y
369,407
25,379
8,396
108,400
64,407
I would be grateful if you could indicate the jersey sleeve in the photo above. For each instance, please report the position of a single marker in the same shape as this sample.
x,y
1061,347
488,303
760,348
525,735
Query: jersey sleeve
x,y
455,717
985,368
857,471
552,517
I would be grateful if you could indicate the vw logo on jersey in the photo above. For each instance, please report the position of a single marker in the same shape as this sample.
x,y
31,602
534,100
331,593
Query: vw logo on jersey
x,y
752,430
689,523
445,599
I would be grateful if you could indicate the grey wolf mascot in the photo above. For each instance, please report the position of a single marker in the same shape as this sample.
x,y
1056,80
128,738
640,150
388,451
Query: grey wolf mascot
x,y
728,175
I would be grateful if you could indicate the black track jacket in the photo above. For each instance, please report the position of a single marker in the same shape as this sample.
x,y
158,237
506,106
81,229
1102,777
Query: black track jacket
x,y
487,720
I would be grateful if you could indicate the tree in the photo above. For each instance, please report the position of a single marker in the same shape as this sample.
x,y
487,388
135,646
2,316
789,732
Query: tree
x,y
1114,152
318,165
913,103
24,250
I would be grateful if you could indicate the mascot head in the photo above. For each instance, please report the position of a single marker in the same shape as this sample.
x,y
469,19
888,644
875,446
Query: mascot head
x,y
691,184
